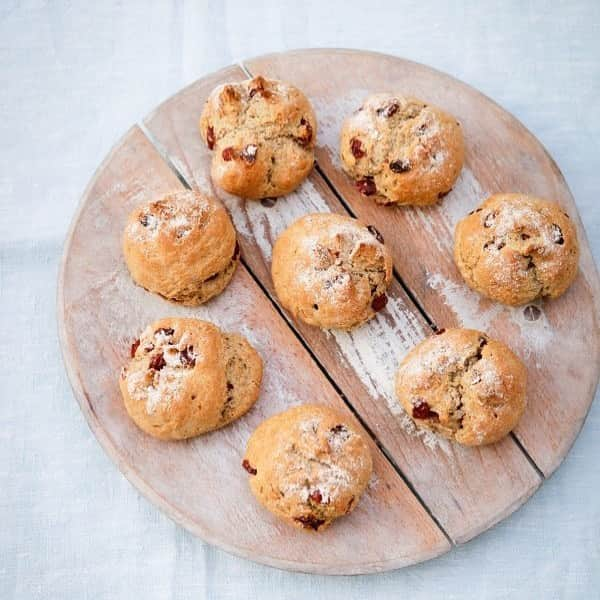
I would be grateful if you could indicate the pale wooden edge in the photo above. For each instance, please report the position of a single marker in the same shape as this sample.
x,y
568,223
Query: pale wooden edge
x,y
139,482
589,267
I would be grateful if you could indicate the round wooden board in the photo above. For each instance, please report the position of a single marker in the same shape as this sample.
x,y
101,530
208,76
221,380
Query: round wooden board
x,y
427,494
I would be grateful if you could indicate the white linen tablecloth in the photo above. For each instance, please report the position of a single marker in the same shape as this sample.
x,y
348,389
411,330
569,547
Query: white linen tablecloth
x,y
74,77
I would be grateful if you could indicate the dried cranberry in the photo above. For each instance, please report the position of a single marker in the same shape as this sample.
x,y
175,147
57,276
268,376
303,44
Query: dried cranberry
x,y
366,186
134,347
228,154
310,522
249,467
356,148
210,137
316,497
338,429
400,166
157,362
525,236
249,153
421,410
389,110
187,358
440,331
489,219
379,302
375,233
260,87
305,140
229,386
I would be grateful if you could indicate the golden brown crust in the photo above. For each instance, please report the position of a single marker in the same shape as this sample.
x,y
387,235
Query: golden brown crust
x,y
331,271
464,386
308,465
515,248
179,382
402,150
182,246
263,133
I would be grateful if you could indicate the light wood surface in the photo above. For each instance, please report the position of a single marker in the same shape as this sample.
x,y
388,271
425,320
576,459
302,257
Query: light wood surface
x,y
466,490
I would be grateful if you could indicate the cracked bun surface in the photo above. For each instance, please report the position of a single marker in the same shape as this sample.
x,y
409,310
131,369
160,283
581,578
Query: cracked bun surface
x,y
402,150
331,271
187,377
463,385
515,248
308,465
262,133
182,246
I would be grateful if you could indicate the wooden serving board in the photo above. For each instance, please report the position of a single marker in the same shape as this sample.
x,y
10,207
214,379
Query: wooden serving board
x,y
427,494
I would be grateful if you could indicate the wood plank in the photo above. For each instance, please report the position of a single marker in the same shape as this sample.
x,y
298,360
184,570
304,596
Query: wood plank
x,y
466,489
562,348
200,483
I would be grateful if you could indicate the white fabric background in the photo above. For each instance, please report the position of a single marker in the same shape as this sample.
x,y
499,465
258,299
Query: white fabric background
x,y
74,77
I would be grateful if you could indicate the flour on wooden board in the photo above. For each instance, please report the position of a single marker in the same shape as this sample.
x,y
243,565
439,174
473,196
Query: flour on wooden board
x,y
466,305
374,351
264,224
331,114
466,194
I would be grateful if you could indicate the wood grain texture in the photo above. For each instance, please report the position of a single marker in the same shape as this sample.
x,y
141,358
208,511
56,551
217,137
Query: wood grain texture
x,y
466,489
562,348
200,483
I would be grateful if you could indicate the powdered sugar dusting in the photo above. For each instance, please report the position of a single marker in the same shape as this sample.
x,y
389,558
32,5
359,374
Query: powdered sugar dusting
x,y
176,214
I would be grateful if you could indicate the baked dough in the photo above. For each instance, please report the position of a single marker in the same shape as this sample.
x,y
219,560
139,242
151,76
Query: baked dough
x,y
186,377
515,248
331,271
182,246
464,386
263,133
402,150
308,465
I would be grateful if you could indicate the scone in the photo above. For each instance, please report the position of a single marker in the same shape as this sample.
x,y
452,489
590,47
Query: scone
x,y
263,133
464,386
182,246
402,150
516,248
186,377
308,465
331,271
